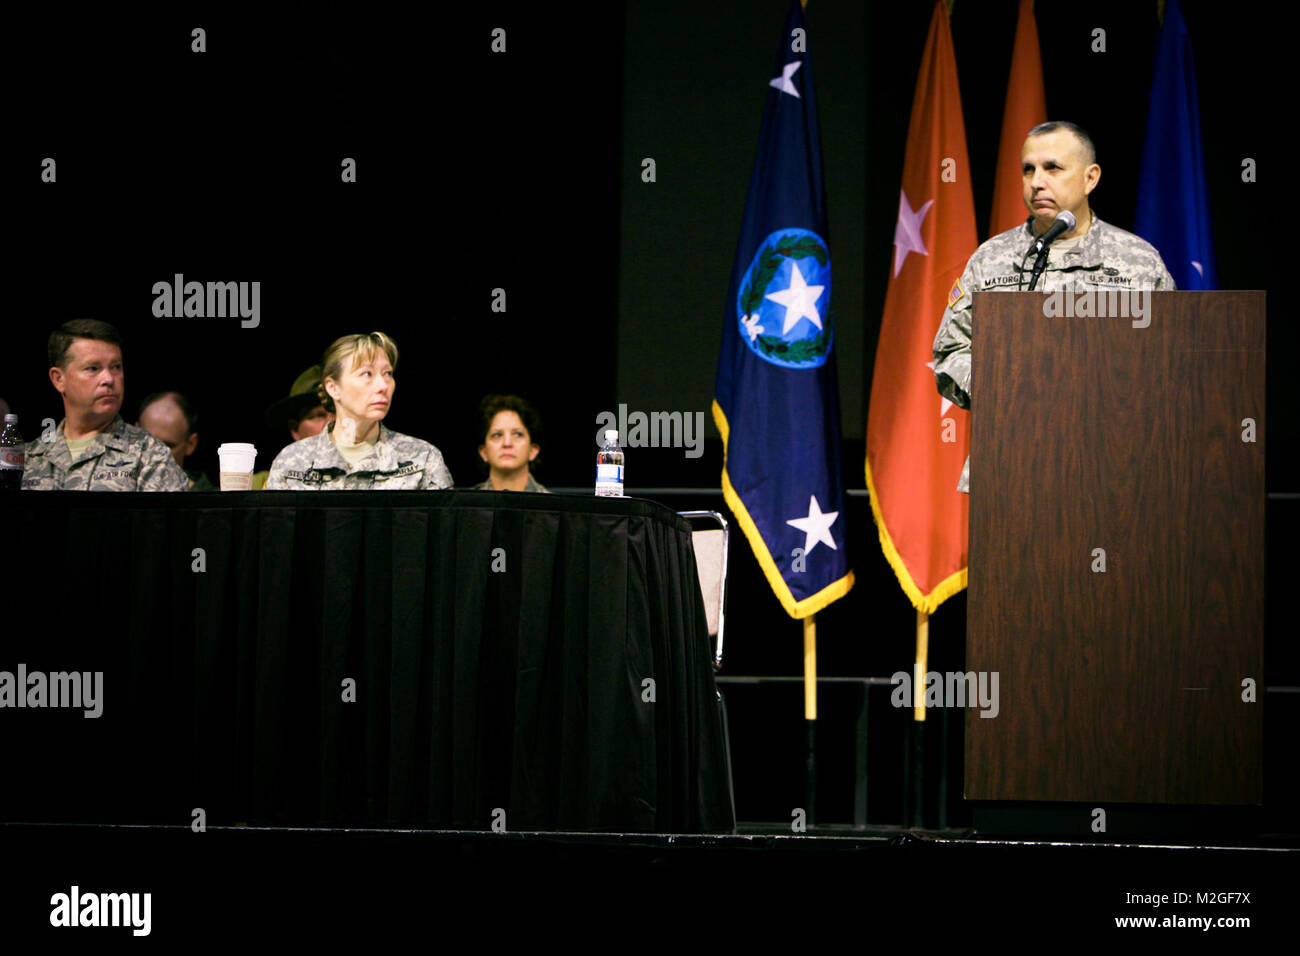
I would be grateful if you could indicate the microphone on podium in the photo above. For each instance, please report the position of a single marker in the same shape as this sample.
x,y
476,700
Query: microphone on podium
x,y
1065,221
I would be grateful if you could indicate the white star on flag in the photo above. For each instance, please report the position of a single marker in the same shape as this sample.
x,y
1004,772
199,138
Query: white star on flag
x,y
816,527
783,82
907,234
944,404
799,299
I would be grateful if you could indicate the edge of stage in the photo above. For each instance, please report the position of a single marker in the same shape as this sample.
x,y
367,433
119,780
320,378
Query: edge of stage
x,y
245,882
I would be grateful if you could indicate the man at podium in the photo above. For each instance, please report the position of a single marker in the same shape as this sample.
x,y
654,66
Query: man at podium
x,y
1059,170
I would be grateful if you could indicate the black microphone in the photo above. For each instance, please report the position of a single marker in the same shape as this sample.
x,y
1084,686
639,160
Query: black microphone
x,y
1065,221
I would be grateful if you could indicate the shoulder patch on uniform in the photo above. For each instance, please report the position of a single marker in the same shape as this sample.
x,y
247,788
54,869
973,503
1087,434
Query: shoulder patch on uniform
x,y
956,293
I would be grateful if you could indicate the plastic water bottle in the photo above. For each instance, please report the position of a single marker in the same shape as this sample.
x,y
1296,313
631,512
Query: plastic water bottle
x,y
609,467
12,455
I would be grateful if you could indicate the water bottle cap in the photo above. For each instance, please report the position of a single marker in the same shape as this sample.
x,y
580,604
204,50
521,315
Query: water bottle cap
x,y
10,417
611,434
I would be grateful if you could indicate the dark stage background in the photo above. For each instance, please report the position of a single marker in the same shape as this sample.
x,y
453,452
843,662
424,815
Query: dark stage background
x,y
522,171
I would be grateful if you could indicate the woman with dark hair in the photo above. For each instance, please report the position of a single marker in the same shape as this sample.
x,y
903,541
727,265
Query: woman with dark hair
x,y
510,430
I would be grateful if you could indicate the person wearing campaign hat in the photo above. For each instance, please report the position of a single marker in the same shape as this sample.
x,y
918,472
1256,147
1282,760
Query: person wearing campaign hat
x,y
301,412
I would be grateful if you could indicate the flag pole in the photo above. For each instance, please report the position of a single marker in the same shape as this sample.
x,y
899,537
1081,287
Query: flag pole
x,y
919,668
810,711
919,513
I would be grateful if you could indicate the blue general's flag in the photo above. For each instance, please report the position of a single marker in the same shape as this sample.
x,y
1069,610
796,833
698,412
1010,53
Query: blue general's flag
x,y
1173,212
777,397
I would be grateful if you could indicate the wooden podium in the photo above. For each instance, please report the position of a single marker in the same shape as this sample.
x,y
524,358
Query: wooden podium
x,y
1094,440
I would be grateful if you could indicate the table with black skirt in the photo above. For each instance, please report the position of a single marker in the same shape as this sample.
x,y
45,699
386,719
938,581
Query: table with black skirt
x,y
451,659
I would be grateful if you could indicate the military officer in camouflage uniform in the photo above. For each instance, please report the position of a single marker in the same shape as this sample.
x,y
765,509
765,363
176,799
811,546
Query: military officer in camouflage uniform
x,y
356,452
93,449
396,463
1059,168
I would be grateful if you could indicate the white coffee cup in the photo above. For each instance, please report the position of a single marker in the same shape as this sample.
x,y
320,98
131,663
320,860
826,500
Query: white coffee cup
x,y
236,465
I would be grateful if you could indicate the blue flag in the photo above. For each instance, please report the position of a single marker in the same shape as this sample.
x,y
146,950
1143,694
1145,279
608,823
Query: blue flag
x,y
777,397
1173,211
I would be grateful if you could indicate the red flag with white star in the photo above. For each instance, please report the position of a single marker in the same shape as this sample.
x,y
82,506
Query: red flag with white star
x,y
917,440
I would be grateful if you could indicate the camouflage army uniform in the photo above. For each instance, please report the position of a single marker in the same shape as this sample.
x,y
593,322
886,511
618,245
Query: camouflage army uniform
x,y
201,480
1105,258
534,486
122,457
396,463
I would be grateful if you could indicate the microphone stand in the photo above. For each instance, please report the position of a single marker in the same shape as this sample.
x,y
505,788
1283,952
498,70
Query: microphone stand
x,y
1039,265
1064,222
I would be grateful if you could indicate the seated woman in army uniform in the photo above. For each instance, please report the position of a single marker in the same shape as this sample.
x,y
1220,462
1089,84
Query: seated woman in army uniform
x,y
510,431
356,451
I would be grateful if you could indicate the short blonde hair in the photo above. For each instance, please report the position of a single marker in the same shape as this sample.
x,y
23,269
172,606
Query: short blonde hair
x,y
363,346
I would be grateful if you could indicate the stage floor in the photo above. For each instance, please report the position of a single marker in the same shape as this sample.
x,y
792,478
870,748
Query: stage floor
x,y
245,882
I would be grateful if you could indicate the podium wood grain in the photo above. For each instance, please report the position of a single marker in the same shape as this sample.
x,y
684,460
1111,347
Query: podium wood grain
x,y
1087,433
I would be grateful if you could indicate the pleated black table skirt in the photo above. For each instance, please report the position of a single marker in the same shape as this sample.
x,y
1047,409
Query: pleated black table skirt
x,y
446,659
